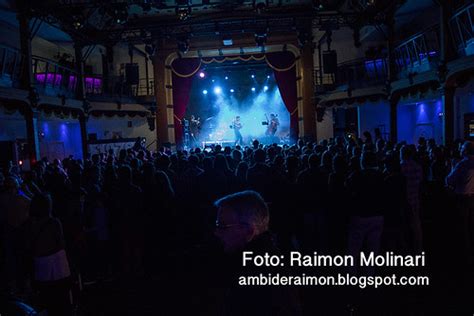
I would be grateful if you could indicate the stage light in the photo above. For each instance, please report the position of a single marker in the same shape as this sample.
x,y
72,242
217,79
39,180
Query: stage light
x,y
260,38
78,21
253,76
226,78
120,14
232,90
202,74
212,80
253,89
268,77
183,44
217,90
183,13
265,88
204,92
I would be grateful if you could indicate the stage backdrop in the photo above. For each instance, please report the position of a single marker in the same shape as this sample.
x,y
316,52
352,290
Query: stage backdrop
x,y
282,63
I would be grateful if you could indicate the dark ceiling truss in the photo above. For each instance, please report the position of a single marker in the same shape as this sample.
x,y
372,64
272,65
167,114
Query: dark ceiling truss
x,y
211,28
227,22
34,28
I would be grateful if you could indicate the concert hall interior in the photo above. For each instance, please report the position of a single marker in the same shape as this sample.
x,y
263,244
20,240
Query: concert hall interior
x,y
147,145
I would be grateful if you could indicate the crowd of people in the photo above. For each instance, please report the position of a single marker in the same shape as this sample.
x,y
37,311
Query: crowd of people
x,y
130,214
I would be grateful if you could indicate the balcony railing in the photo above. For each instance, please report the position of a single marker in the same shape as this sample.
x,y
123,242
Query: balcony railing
x,y
52,78
355,74
462,29
116,86
11,63
417,52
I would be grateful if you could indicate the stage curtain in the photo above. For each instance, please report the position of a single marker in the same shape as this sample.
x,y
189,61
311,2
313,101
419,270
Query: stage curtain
x,y
283,65
183,74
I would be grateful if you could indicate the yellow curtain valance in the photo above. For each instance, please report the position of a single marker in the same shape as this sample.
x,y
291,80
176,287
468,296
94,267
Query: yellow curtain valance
x,y
222,59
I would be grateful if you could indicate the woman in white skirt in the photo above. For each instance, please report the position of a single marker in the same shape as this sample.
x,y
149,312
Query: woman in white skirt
x,y
51,272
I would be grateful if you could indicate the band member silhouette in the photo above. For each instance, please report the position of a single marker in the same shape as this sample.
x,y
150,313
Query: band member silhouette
x,y
236,126
195,128
273,124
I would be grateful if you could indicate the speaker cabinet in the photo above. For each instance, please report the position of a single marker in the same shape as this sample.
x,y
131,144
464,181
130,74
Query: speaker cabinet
x,y
330,62
131,74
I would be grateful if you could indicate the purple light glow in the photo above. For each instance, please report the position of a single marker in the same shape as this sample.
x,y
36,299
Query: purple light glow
x,y
72,82
93,85
40,78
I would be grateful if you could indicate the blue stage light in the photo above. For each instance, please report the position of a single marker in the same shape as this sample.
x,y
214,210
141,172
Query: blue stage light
x,y
253,89
253,76
232,90
265,88
226,78
204,91
217,90
202,74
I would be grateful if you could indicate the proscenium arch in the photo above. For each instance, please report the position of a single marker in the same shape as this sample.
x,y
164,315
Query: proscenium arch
x,y
229,52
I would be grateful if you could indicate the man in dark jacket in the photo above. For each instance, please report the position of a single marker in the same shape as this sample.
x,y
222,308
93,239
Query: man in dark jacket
x,y
242,225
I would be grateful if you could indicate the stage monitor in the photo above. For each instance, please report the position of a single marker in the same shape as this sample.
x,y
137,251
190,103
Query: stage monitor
x,y
131,74
330,62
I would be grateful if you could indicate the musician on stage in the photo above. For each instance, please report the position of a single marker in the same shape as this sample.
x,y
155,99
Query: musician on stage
x,y
236,126
273,124
195,128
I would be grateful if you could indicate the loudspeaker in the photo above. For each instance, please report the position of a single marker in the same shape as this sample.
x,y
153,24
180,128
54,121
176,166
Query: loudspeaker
x,y
131,74
330,62
151,123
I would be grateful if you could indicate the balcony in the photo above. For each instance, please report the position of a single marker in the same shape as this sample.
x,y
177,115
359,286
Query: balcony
x,y
52,79
355,74
419,53
462,29
11,63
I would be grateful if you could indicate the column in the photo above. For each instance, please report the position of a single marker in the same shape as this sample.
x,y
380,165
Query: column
x,y
31,119
83,125
26,78
80,88
391,68
309,108
446,50
447,97
393,102
159,68
391,76
108,70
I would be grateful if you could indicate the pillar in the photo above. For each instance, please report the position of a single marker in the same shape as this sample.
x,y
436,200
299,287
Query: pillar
x,y
159,68
83,125
309,108
391,76
26,78
446,49
31,119
80,88
447,98
108,70
393,102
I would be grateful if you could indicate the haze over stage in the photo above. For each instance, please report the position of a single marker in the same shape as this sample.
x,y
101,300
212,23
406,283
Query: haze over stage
x,y
221,92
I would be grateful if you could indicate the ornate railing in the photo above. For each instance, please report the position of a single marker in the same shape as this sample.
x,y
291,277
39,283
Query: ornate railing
x,y
354,74
11,63
418,50
462,29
